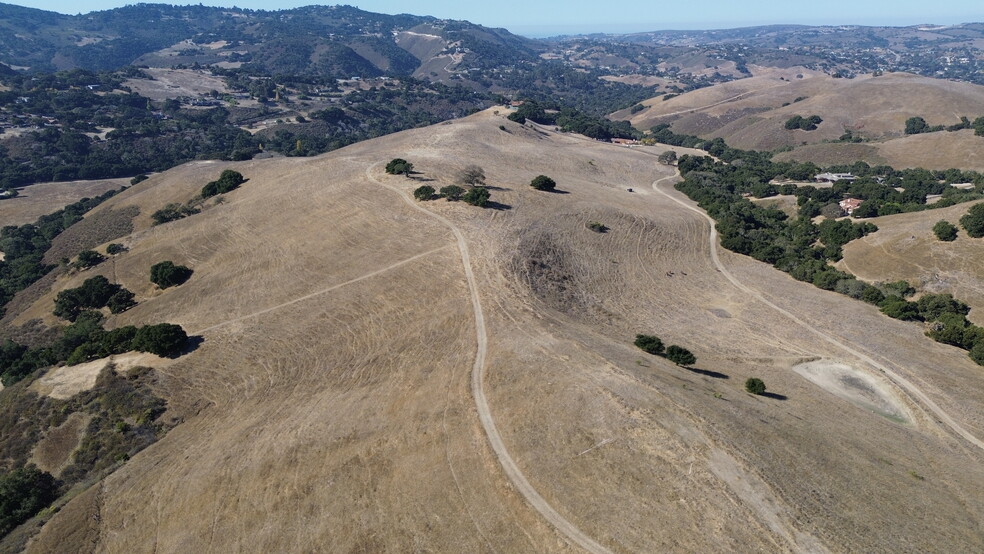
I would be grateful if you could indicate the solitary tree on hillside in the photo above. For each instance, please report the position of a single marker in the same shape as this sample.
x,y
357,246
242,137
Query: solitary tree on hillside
x,y
680,355
399,166
88,258
754,385
945,231
163,339
472,175
542,182
166,274
915,125
667,158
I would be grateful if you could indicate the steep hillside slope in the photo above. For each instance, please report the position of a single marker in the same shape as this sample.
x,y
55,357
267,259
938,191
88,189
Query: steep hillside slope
x,y
751,113
381,374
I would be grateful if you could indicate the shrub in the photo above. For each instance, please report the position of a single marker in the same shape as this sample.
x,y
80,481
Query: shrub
x,y
667,158
754,385
477,197
166,274
452,192
680,355
425,192
597,227
138,179
163,339
228,180
542,182
945,231
649,344
172,212
88,258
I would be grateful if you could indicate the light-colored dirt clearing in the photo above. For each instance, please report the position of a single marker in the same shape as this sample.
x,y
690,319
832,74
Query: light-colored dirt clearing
x,y
44,198
855,386
66,381
171,83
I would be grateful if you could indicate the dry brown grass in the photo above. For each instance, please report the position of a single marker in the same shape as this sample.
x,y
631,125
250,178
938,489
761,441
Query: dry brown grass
x,y
45,198
329,404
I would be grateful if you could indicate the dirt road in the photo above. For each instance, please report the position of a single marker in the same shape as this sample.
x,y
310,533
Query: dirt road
x,y
903,383
509,466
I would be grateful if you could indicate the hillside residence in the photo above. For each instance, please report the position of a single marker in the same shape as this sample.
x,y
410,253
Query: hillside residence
x,y
624,141
850,204
834,177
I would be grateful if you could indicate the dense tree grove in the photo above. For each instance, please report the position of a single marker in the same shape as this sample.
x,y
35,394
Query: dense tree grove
x,y
805,249
95,293
803,123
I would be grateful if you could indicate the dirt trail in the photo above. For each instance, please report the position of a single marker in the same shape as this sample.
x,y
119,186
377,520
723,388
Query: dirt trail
x,y
898,379
509,466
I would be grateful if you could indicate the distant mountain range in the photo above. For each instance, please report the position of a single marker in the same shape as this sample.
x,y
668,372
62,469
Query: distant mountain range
x,y
327,40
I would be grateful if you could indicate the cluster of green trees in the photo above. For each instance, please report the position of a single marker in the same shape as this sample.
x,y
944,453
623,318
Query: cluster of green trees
x,y
24,246
228,180
173,212
95,292
23,493
573,121
677,354
803,123
85,339
476,196
918,125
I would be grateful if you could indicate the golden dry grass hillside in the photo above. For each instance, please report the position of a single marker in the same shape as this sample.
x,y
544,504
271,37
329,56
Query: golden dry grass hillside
x,y
751,114
44,198
379,374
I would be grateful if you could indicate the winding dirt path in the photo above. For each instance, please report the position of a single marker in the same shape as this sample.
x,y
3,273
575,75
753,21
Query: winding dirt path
x,y
903,383
509,466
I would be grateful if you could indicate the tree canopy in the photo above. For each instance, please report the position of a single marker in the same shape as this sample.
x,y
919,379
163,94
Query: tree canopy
x,y
166,274
542,182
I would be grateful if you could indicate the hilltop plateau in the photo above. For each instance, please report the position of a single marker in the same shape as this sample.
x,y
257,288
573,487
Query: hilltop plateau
x,y
376,373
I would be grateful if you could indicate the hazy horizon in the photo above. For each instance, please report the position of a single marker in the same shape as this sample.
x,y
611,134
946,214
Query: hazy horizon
x,y
546,19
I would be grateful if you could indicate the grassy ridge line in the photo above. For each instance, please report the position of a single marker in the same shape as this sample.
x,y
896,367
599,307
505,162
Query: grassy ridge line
x,y
509,465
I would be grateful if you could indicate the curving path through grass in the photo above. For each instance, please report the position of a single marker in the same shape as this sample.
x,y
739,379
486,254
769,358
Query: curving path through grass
x,y
509,466
900,381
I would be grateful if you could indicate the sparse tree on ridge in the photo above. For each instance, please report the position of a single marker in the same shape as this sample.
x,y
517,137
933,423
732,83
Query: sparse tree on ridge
x,y
472,175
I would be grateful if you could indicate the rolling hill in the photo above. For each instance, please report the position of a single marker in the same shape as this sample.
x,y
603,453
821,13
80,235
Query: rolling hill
x,y
377,373
752,113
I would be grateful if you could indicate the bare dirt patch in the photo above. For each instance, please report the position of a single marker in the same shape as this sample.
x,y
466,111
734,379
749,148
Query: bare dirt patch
x,y
66,381
171,83
858,387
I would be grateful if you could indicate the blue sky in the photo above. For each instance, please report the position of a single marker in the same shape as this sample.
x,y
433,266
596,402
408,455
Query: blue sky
x,y
580,16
